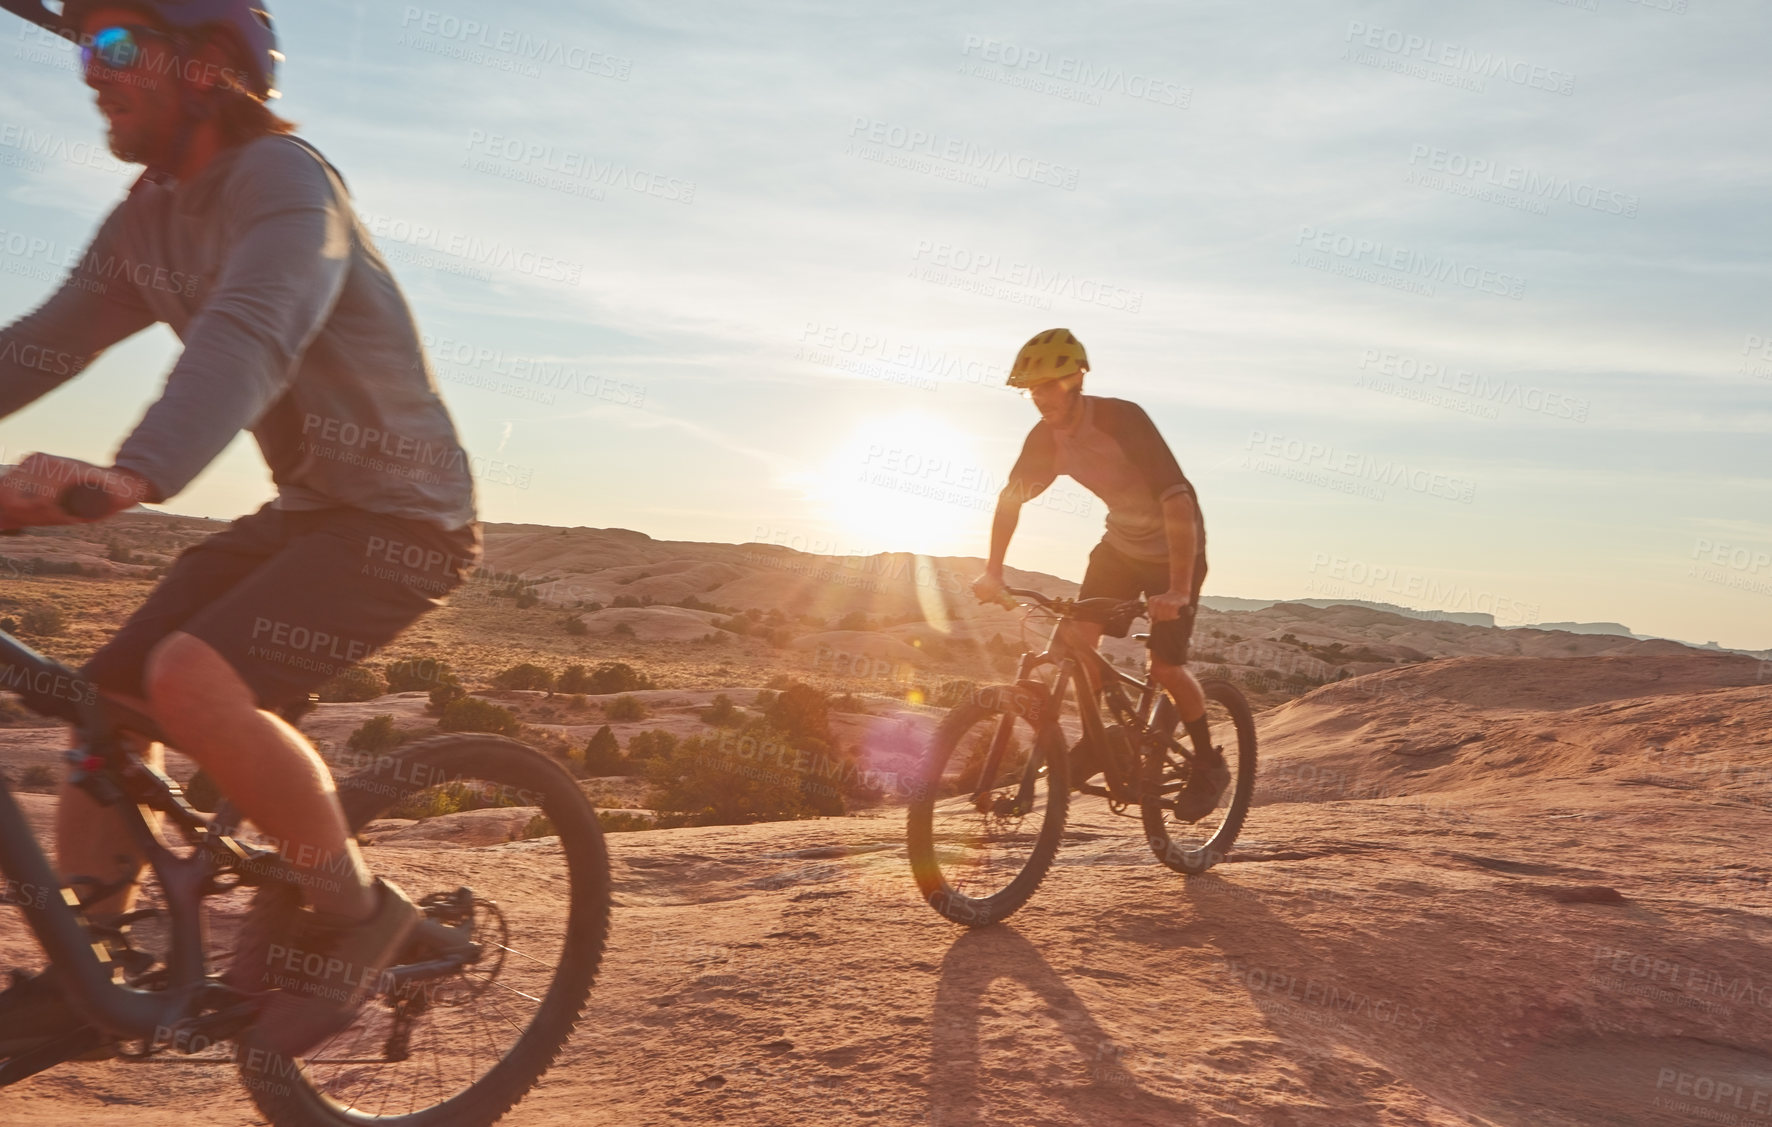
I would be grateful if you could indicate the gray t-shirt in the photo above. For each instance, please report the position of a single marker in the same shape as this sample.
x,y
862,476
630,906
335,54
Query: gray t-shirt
x,y
292,326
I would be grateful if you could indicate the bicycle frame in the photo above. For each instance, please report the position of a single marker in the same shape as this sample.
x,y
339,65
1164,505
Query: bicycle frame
x,y
1071,662
106,771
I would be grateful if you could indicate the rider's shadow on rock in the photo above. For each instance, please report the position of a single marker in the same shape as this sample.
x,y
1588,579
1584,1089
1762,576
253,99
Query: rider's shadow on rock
x,y
989,974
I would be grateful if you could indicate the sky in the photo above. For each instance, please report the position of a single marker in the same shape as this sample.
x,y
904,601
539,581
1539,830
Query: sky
x,y
1462,307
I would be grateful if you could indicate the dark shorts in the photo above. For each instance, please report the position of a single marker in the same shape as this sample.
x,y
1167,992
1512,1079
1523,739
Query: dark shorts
x,y
1112,574
291,599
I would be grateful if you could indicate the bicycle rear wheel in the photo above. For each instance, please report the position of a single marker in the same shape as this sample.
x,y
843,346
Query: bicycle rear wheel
x,y
499,846
1194,847
976,862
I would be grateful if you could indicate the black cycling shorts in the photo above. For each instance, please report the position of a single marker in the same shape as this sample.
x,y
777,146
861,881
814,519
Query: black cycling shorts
x,y
1112,574
292,598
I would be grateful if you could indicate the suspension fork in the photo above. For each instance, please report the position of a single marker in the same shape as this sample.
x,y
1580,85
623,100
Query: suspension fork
x,y
1049,705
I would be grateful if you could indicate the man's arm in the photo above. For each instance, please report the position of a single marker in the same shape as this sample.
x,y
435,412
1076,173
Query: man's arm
x,y
1181,529
287,265
1033,472
49,347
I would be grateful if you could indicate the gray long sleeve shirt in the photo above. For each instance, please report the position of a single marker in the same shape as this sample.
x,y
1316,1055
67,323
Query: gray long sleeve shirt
x,y
292,326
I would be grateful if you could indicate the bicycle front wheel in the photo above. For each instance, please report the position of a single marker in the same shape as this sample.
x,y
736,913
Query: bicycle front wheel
x,y
978,852
1194,847
504,854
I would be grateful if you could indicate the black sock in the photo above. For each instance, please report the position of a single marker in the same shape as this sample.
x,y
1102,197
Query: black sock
x,y
1202,737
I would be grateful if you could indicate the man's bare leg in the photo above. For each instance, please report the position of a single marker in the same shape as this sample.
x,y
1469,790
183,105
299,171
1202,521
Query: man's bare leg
x,y
266,767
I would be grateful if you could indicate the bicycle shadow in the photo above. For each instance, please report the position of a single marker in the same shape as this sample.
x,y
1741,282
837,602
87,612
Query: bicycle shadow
x,y
959,1083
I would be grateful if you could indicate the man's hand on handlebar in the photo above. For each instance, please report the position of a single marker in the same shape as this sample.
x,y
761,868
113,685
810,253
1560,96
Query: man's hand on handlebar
x,y
1169,605
989,588
46,489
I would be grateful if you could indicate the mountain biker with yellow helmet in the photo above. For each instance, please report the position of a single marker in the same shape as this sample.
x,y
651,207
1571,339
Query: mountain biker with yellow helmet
x,y
242,239
1155,543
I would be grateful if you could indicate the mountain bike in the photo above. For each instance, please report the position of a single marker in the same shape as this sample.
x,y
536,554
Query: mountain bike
x,y
477,1005
987,812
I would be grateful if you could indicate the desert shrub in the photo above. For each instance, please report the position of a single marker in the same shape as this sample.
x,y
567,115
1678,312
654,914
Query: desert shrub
x,y
418,674
444,695
577,702
602,755
848,702
527,675
471,714
625,708
358,683
735,624
39,778
527,599
652,744
617,677
576,627
623,630
854,620
451,798
707,788
573,679
9,624
629,601
622,822
801,712
375,734
722,713
43,620
539,826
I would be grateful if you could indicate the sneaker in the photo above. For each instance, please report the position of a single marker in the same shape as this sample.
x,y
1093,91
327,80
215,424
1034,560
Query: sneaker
x,y
324,970
1203,790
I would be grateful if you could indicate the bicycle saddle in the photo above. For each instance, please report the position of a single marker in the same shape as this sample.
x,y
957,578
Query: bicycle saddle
x,y
1114,616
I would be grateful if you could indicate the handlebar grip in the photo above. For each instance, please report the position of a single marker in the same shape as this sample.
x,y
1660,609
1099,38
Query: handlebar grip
x,y
88,502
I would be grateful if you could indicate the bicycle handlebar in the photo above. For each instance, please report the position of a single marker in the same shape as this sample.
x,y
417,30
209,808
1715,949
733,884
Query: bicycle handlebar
x,y
1067,606
87,502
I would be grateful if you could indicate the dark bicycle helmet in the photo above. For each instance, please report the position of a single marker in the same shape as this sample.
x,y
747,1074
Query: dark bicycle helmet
x,y
247,19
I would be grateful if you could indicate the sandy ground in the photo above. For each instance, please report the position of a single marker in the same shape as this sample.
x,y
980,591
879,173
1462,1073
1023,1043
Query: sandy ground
x,y
1414,930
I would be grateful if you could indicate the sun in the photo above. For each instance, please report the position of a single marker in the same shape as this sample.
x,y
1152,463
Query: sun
x,y
908,482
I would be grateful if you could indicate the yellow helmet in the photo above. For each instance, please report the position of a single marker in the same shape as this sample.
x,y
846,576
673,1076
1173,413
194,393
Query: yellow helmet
x,y
1052,355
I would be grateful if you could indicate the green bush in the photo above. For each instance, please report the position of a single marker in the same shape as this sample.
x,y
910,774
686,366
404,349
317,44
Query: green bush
x,y
617,677
801,712
653,744
625,708
42,620
722,713
375,734
39,779
358,683
623,822
539,826
418,674
445,694
707,787
525,676
602,755
471,714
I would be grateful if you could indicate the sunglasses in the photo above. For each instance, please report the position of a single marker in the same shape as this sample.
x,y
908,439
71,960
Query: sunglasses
x,y
117,48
